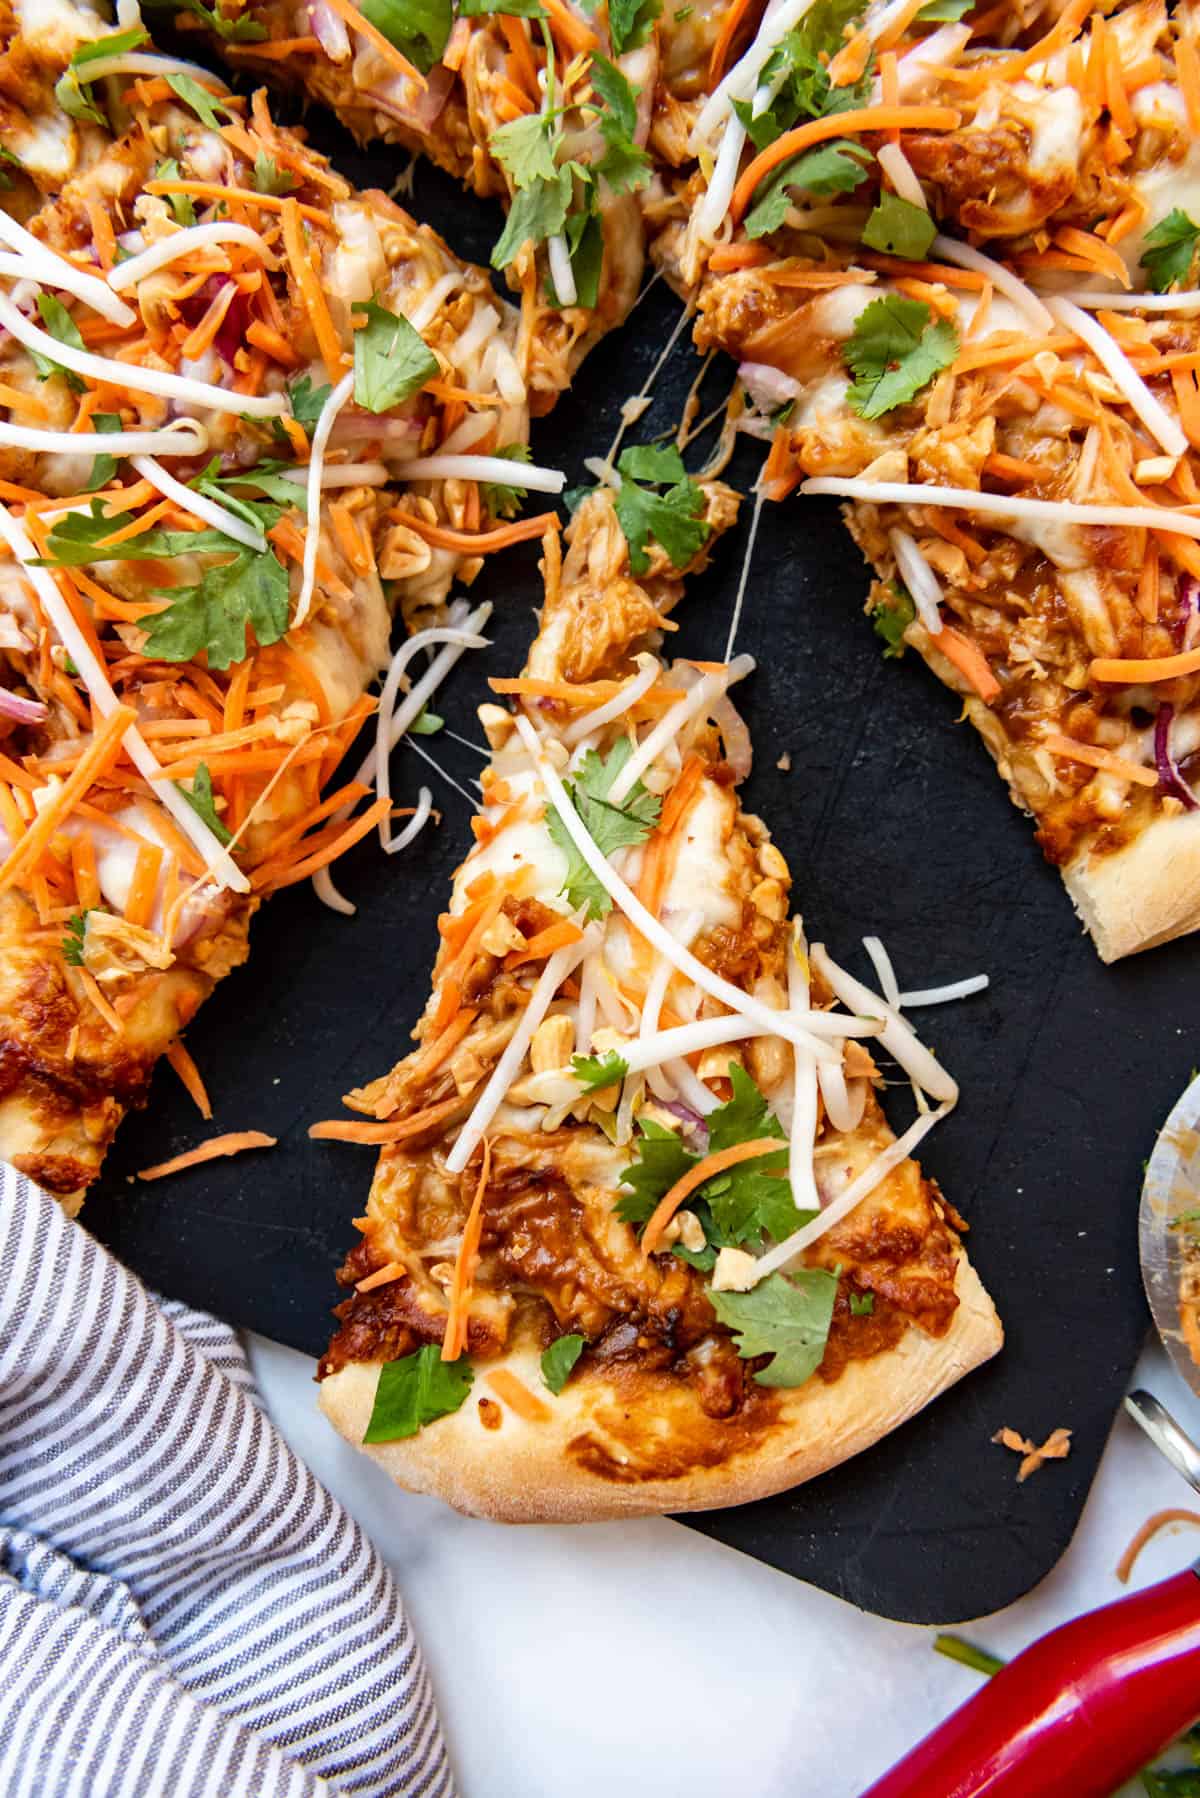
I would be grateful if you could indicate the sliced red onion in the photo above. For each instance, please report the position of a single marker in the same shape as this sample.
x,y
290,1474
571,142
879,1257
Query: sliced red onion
x,y
25,711
695,1130
1169,778
329,30
735,735
1189,604
768,387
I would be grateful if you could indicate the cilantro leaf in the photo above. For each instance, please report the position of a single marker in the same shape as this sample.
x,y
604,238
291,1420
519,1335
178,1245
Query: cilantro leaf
x,y
269,178
797,73
73,88
240,29
212,616
630,22
182,209
72,942
103,467
207,106
558,1361
894,352
503,498
392,361
200,797
515,9
595,1072
615,91
786,1318
63,329
537,212
308,402
623,165
675,518
891,618
943,12
611,827
77,539
270,477
416,1390
1170,250
862,1304
837,167
426,723
419,29
524,148
585,250
898,228
662,1159
744,1117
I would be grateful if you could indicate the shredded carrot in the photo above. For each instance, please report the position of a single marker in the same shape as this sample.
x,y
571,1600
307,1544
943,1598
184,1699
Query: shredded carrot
x,y
516,36
1057,38
143,888
695,1176
99,756
145,521
213,190
570,32
1136,671
315,305
383,1276
478,543
517,1396
275,346
456,49
83,867
329,852
203,335
1148,1531
970,661
729,256
838,124
1148,585
1072,750
91,987
189,1073
1012,468
339,1130
351,16
570,693
281,47
102,233
465,1263
1093,249
441,1047
555,936
234,1143
732,20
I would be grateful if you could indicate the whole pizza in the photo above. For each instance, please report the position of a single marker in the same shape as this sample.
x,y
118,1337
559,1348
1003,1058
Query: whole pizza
x,y
640,1236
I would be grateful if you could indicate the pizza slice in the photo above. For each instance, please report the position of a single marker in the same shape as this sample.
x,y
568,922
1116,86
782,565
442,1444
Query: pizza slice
x,y
640,1238
247,412
1015,427
545,107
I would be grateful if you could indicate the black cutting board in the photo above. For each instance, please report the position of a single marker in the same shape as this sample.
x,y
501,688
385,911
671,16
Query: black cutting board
x,y
894,822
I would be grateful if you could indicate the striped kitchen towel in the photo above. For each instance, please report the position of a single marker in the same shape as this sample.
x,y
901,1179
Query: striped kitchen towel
x,y
184,1610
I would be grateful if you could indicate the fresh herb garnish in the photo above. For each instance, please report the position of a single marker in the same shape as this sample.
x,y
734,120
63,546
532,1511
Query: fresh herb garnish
x,y
250,589
595,1072
419,29
891,618
200,797
1170,250
862,1304
503,498
514,9
307,402
426,723
182,209
674,518
558,1361
103,467
207,106
797,72
623,165
898,228
630,22
835,168
73,88
269,178
62,327
392,361
238,29
787,1318
896,349
943,12
611,827
738,1206
416,1390
72,943
7,161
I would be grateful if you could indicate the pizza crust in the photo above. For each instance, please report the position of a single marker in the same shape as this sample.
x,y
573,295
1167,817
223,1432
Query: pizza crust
x,y
1144,894
527,1472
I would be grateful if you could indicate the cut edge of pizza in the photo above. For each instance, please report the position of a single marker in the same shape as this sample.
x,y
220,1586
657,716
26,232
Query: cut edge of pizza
x,y
618,1258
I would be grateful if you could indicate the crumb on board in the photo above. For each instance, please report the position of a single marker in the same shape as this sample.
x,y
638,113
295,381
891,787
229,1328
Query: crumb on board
x,y
784,764
1056,1447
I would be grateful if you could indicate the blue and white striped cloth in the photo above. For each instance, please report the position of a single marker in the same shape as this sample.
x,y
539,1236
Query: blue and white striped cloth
x,y
184,1610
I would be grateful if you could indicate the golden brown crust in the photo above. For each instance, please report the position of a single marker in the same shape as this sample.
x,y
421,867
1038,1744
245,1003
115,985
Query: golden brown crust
x,y
580,1465
1144,894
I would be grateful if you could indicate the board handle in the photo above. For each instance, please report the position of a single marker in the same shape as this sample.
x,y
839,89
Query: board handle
x,y
1078,1712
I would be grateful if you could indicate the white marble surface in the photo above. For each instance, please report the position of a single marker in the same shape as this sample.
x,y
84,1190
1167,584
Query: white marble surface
x,y
639,1660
